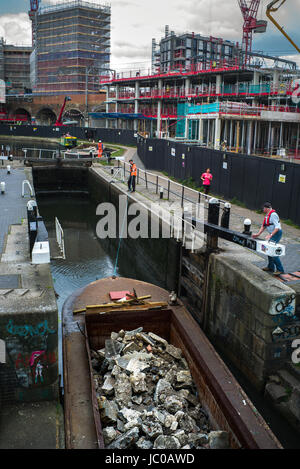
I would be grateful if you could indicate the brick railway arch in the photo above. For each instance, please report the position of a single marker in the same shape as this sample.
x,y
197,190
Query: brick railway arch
x,y
21,113
73,114
45,116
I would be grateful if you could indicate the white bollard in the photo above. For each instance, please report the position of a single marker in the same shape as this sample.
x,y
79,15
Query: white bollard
x,y
247,227
8,169
2,186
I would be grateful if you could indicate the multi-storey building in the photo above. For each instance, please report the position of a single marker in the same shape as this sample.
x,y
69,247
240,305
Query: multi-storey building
x,y
245,109
15,67
72,47
185,51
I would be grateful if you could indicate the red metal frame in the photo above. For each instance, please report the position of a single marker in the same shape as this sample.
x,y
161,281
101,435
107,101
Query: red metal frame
x,y
249,9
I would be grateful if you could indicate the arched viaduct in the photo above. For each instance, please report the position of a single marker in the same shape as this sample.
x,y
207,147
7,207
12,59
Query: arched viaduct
x,y
45,109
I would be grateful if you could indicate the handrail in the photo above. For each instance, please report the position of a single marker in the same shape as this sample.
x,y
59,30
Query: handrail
x,y
168,182
27,183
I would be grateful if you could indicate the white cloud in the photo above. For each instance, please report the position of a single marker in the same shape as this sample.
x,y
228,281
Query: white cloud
x,y
135,22
16,29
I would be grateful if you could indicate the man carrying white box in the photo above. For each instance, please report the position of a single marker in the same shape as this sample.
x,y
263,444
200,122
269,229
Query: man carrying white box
x,y
272,224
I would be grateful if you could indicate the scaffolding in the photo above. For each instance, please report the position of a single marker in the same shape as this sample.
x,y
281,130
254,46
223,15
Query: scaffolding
x,y
72,47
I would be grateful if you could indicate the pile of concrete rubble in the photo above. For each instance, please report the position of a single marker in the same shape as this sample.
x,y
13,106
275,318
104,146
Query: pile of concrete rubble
x,y
147,397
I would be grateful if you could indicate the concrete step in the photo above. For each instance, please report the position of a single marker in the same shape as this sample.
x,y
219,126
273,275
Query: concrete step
x,y
294,370
287,379
276,393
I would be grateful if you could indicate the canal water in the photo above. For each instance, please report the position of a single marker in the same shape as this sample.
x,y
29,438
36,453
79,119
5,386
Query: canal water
x,y
88,259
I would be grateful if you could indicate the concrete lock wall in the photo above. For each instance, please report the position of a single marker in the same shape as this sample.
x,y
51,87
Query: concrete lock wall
x,y
152,260
28,322
237,306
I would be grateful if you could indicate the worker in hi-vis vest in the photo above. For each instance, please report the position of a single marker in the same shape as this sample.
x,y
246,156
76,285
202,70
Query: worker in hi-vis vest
x,y
132,177
272,224
100,149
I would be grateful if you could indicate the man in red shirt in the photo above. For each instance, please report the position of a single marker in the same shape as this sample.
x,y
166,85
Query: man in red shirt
x,y
207,179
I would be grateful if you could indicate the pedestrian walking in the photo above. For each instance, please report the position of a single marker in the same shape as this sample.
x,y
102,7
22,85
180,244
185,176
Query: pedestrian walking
x,y
272,224
132,177
207,179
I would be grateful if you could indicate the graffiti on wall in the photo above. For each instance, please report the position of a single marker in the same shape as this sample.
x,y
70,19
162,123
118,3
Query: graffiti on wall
x,y
27,352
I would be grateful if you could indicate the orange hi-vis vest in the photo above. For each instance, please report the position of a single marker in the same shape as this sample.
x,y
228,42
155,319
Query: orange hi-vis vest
x,y
133,170
100,150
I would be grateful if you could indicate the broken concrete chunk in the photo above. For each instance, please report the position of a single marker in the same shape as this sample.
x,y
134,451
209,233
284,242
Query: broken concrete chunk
x,y
166,442
138,382
184,377
123,392
126,440
114,336
152,429
163,389
126,414
173,404
143,443
137,399
109,435
108,411
130,347
147,397
109,386
181,437
131,424
158,339
129,335
174,352
146,339
113,348
218,440
187,423
135,365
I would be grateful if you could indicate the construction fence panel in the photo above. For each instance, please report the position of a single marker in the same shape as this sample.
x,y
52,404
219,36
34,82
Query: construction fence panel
x,y
248,179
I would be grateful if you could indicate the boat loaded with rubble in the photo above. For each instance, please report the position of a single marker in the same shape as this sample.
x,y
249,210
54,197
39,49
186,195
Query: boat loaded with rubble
x,y
139,373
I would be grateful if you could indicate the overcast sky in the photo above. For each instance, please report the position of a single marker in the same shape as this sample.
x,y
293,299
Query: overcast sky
x,y
136,22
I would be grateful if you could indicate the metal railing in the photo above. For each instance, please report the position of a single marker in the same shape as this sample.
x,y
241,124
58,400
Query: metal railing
x,y
158,182
43,153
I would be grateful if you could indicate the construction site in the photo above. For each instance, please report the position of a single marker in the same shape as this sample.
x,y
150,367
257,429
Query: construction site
x,y
227,97
71,47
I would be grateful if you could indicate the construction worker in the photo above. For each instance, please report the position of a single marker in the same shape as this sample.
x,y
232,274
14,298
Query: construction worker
x,y
132,177
100,149
272,224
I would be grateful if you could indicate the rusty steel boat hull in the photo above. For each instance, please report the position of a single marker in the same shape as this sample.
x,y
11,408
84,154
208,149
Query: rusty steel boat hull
x,y
228,407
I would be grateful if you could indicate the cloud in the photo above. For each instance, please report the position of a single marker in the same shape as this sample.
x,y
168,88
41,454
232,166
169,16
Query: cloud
x,y
135,22
16,29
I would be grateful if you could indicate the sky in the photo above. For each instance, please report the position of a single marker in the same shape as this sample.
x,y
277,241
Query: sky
x,y
136,22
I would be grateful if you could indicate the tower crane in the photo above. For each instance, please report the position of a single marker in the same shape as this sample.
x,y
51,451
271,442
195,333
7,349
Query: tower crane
x,y
34,6
271,8
249,9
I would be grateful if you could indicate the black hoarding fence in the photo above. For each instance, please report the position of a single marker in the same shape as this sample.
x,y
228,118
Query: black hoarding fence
x,y
117,136
251,180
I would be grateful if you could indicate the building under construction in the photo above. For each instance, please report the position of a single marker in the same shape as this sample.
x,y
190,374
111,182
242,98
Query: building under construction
x,y
15,68
72,47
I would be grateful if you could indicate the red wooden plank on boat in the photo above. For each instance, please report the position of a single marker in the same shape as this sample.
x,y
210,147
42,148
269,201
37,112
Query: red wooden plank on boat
x,y
118,295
